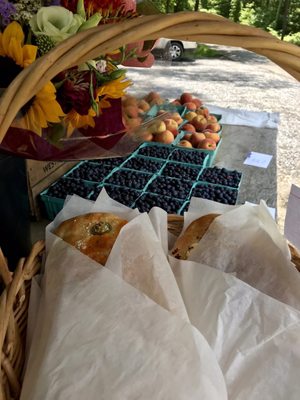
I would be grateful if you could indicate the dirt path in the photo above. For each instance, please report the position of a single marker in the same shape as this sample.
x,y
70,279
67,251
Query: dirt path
x,y
238,79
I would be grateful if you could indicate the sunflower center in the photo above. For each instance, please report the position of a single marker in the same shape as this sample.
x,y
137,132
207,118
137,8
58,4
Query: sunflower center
x,y
9,70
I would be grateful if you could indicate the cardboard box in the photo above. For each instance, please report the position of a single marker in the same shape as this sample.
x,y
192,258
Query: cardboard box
x,y
40,175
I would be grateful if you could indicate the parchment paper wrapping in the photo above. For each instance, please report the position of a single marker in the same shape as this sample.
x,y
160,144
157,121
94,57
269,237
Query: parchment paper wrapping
x,y
133,330
246,241
98,337
256,339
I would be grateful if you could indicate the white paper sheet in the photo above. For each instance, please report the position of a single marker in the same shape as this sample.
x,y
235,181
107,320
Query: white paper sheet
x,y
259,160
256,339
292,218
259,119
99,338
246,241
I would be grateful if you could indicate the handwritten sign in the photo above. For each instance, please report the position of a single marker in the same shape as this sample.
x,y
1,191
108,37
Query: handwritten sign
x,y
292,217
258,159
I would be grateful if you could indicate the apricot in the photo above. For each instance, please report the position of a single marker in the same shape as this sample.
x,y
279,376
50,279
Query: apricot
x,y
188,128
185,143
190,106
165,137
197,138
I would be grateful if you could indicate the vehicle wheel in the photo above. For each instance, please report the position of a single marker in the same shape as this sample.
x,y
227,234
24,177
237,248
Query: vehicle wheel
x,y
175,51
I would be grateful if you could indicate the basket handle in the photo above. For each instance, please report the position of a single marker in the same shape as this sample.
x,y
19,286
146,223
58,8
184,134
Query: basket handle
x,y
196,26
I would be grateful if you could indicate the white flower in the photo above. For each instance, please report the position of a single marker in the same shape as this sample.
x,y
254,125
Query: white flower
x,y
56,22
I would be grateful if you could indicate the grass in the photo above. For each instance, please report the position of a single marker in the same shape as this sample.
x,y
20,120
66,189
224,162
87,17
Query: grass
x,y
204,51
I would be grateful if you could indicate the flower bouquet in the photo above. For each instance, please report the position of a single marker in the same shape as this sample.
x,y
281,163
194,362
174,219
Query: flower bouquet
x,y
78,113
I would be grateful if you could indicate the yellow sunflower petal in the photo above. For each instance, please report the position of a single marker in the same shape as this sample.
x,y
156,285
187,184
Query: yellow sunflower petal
x,y
29,54
13,30
47,92
33,122
15,51
2,52
39,115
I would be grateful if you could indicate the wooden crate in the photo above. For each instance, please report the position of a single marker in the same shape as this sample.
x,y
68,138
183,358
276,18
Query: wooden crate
x,y
40,175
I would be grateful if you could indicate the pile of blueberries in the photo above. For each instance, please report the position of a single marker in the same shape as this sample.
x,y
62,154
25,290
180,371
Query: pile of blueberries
x,y
130,179
155,151
143,164
65,186
111,162
216,193
177,170
149,200
172,187
189,156
122,195
221,176
90,172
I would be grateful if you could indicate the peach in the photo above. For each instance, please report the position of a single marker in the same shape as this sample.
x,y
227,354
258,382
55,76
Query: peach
x,y
144,105
176,102
212,119
131,123
185,143
176,116
197,138
190,115
203,111
197,102
186,98
148,137
207,144
131,111
214,127
190,106
199,123
188,128
165,137
157,127
171,124
212,135
129,100
151,96
187,136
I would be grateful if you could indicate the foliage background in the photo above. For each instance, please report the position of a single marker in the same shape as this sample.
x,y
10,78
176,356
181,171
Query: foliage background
x,y
279,17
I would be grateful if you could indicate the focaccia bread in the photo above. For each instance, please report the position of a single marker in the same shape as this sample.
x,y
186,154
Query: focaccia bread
x,y
93,234
191,236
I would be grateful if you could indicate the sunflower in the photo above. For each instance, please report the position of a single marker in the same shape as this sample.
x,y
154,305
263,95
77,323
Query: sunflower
x,y
43,107
75,120
113,89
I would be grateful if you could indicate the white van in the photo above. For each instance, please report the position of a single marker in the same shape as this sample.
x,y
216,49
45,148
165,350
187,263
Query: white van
x,y
173,49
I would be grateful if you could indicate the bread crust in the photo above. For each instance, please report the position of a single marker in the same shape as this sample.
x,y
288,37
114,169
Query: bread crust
x,y
191,236
93,234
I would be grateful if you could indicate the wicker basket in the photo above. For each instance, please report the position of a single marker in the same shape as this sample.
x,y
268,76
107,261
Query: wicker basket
x,y
86,45
14,303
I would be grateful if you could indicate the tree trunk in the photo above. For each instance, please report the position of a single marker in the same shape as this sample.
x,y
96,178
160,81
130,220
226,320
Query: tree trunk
x,y
197,3
285,19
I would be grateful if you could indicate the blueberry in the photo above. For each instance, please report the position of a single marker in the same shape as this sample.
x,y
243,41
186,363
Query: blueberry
x,y
90,172
178,170
111,162
162,152
221,176
219,194
122,195
149,200
143,164
189,156
170,186
129,179
68,186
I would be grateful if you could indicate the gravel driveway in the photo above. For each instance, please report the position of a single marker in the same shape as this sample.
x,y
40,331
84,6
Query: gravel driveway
x,y
237,79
